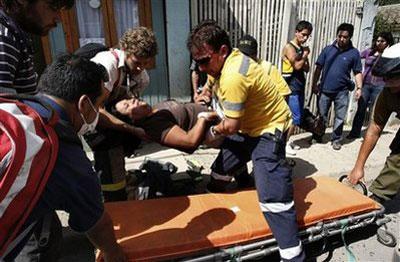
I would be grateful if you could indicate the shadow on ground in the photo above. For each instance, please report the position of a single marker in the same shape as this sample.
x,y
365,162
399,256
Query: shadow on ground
x,y
302,168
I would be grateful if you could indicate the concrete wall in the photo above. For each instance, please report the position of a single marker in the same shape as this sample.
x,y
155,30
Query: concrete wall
x,y
177,27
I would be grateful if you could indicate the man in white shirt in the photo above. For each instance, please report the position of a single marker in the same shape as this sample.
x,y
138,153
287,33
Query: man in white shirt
x,y
117,138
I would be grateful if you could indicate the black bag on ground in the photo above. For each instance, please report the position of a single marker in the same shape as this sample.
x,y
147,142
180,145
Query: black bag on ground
x,y
312,123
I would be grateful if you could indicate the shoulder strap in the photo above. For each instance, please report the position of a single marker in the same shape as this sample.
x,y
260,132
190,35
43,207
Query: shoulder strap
x,y
116,83
52,120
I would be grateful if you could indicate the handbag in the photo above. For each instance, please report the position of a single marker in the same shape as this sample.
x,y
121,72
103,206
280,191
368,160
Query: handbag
x,y
312,123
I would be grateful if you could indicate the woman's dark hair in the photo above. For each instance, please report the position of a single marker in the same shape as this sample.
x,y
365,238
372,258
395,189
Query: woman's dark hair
x,y
69,77
385,35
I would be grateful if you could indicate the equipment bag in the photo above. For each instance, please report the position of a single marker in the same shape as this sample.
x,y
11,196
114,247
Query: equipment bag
x,y
28,152
312,123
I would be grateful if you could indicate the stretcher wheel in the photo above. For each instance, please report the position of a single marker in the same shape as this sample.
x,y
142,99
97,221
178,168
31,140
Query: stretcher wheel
x,y
359,187
386,238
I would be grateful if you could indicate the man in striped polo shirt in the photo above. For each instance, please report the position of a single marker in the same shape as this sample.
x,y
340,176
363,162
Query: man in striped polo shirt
x,y
18,19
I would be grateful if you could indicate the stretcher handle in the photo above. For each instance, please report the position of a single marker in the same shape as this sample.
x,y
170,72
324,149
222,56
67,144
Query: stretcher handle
x,y
361,184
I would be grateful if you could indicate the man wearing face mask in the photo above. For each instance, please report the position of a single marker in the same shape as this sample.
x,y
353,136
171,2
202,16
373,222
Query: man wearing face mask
x,y
72,86
115,139
18,19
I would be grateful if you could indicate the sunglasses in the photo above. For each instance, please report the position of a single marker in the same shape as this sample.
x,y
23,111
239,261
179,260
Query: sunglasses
x,y
203,61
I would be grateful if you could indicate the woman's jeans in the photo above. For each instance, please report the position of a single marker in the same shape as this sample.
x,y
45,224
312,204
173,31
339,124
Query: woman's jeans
x,y
369,93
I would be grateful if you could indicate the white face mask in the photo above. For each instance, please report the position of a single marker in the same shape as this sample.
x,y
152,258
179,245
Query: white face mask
x,y
88,127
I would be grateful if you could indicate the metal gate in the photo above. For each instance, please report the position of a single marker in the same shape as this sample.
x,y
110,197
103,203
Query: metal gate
x,y
272,22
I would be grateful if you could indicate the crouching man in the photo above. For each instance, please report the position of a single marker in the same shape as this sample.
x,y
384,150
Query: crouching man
x,y
255,122
73,87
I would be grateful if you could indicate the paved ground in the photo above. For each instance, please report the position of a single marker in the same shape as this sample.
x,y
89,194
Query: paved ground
x,y
319,159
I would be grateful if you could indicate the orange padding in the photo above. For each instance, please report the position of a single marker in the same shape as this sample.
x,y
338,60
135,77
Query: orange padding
x,y
170,227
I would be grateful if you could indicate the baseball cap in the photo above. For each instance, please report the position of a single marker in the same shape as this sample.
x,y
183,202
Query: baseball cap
x,y
248,45
388,64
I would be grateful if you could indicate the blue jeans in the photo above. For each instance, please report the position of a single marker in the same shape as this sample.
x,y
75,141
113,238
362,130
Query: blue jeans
x,y
341,102
369,93
296,105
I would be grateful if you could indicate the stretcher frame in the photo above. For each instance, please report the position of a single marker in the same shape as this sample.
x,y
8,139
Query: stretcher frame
x,y
321,231
313,228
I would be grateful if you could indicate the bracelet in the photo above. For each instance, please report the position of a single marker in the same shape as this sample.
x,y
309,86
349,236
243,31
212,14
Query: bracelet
x,y
358,88
213,132
203,115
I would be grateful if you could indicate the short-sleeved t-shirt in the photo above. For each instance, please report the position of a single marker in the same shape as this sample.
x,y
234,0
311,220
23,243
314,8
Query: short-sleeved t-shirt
x,y
168,114
385,105
17,72
115,67
336,67
73,185
276,77
245,91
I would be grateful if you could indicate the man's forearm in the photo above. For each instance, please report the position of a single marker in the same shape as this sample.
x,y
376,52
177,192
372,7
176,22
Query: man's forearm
x,y
316,75
359,80
370,140
227,126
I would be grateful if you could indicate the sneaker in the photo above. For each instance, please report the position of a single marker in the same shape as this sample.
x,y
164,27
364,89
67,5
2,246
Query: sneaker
x,y
336,145
294,146
290,151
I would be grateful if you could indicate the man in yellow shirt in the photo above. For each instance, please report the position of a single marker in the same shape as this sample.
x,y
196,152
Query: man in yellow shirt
x,y
256,118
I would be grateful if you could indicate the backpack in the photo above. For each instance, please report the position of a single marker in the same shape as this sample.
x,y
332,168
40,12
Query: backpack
x,y
28,152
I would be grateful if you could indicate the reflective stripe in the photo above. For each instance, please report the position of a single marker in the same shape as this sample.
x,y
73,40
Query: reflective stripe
x,y
221,177
232,106
244,66
114,187
276,207
291,252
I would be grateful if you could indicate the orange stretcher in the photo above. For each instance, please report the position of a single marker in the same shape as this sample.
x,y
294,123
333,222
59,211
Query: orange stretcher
x,y
232,224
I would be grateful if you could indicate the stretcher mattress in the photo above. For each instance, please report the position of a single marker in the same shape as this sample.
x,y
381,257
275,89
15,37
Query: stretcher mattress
x,y
171,227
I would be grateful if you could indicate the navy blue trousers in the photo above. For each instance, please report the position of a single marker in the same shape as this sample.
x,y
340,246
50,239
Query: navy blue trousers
x,y
273,179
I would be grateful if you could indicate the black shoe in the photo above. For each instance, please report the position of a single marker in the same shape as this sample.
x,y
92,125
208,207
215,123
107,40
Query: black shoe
x,y
216,186
336,145
377,199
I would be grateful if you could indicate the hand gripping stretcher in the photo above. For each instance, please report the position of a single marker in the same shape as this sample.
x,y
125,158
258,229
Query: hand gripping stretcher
x,y
230,226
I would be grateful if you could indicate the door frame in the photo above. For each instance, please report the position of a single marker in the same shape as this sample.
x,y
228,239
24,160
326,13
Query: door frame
x,y
71,32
